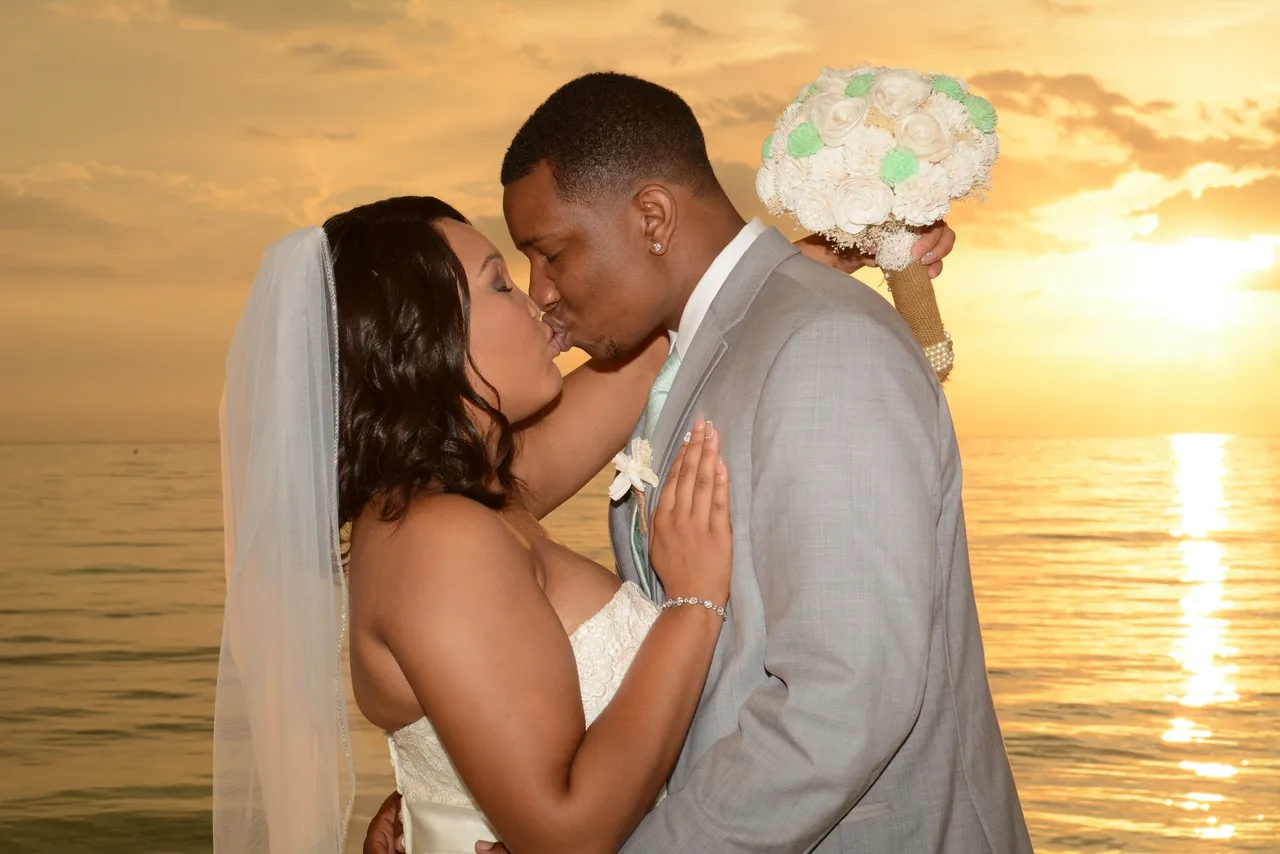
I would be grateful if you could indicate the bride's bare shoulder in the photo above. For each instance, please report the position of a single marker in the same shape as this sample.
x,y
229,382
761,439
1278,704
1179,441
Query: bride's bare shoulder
x,y
447,536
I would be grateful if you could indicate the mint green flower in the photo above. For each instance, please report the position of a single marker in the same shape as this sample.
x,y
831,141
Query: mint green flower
x,y
897,166
981,113
858,86
768,147
804,141
948,86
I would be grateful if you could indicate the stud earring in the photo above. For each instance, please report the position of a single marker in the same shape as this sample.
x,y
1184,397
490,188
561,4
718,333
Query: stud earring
x,y
657,249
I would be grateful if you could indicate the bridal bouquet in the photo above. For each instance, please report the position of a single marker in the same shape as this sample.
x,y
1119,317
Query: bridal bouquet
x,y
868,157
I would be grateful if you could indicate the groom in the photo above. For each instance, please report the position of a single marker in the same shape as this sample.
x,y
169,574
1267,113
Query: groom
x,y
847,708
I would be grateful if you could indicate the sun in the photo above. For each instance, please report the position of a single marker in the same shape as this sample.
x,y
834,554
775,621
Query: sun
x,y
1191,282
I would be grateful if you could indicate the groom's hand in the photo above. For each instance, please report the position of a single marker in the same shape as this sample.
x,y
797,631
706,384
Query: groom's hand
x,y
935,243
385,835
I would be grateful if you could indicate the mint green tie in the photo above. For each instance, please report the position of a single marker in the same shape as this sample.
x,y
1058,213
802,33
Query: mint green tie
x,y
652,410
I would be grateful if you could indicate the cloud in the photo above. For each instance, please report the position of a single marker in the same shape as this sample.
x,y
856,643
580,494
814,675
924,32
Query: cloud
x,y
27,213
744,109
16,269
290,14
1079,103
313,49
266,135
1033,94
675,21
333,59
1230,212
1272,121
1020,186
1064,9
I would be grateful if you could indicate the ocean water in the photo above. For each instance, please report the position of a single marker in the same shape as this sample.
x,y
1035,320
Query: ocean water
x,y
1129,592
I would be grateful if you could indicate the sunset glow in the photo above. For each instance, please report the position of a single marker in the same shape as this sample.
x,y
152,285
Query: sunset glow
x,y
1126,253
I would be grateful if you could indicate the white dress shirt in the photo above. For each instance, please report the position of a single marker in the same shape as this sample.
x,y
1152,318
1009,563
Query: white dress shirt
x,y
710,283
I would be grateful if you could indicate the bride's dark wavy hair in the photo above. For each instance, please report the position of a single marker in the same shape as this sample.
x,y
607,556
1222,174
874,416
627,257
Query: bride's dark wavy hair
x,y
403,354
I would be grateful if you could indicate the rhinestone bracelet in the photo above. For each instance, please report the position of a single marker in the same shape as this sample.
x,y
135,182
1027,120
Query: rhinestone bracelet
x,y
694,600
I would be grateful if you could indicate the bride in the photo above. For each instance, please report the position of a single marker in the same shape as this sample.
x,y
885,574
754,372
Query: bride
x,y
388,374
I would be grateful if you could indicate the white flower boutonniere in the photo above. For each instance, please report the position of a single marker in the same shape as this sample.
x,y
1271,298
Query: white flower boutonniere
x,y
635,473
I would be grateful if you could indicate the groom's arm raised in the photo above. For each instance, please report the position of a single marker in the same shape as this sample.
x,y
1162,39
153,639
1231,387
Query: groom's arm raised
x,y
845,458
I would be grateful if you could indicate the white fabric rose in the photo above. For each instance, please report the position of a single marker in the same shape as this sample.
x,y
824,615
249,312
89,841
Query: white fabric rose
x,y
864,148
923,136
833,81
836,116
898,91
924,198
989,145
792,174
963,167
859,202
813,208
828,168
949,112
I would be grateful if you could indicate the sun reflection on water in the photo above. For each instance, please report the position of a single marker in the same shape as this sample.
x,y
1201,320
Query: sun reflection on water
x,y
1202,649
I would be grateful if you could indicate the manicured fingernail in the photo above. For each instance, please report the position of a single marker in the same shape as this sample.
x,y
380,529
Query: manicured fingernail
x,y
929,259
400,844
484,846
687,436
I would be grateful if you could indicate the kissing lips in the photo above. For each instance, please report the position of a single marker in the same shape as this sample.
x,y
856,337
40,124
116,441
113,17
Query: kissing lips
x,y
559,338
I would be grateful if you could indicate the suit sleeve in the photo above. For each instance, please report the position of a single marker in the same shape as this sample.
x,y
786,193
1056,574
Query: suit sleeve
x,y
845,503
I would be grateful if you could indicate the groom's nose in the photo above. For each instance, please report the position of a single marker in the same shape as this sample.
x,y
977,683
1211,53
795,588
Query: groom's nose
x,y
541,288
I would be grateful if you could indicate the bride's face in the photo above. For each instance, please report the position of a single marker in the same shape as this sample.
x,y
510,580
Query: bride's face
x,y
511,348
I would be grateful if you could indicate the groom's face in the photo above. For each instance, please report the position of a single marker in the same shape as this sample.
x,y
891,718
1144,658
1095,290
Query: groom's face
x,y
590,270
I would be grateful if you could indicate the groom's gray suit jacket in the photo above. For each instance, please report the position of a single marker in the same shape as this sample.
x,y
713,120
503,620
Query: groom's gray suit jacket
x,y
847,708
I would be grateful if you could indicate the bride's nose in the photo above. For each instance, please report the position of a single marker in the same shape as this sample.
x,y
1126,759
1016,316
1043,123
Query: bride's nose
x,y
534,311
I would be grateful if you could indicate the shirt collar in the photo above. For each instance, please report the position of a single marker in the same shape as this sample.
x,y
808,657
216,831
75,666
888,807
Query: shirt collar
x,y
704,293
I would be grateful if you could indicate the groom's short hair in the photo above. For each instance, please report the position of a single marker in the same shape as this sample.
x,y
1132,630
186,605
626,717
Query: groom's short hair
x,y
607,132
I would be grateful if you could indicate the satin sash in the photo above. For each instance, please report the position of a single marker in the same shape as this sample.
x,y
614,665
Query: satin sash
x,y
443,829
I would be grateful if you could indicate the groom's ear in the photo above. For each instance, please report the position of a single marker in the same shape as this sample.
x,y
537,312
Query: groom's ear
x,y
657,207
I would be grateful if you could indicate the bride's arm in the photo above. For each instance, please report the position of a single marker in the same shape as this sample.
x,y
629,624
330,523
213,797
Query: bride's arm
x,y
471,623
568,443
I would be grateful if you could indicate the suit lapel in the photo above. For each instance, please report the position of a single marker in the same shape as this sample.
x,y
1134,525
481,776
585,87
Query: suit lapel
x,y
708,347
705,351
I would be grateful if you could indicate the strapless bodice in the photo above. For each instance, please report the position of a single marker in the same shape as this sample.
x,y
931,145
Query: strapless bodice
x,y
439,814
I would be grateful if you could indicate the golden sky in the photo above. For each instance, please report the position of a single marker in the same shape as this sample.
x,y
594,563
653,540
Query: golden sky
x,y
1121,279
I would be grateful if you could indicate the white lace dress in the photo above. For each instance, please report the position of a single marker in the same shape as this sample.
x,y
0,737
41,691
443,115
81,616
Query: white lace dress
x,y
439,814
